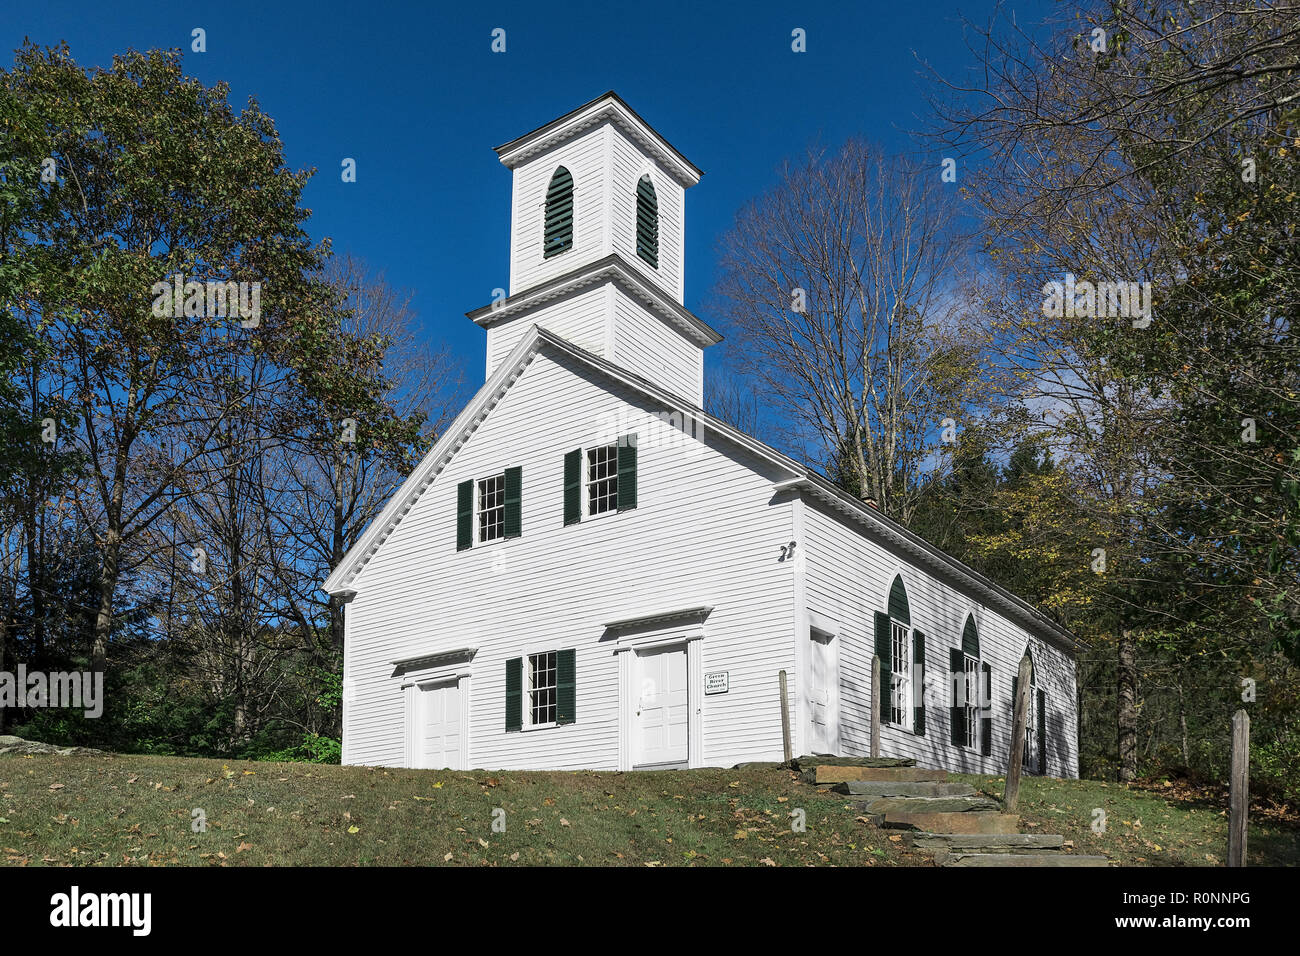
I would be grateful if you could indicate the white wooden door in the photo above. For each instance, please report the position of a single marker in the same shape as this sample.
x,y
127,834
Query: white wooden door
x,y
823,676
439,737
662,714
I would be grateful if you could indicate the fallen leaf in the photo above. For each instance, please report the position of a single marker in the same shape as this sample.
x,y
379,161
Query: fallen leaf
x,y
354,829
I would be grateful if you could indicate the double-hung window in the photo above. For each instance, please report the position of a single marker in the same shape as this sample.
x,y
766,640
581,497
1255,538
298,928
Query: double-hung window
x,y
971,699
543,686
900,690
491,508
1031,757
602,479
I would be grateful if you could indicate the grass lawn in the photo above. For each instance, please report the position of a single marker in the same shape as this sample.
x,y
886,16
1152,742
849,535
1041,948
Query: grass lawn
x,y
88,810
1148,825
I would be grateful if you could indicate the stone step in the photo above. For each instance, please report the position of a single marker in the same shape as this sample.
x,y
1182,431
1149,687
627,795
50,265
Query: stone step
x,y
1025,858
887,805
966,822
809,761
832,774
984,842
902,788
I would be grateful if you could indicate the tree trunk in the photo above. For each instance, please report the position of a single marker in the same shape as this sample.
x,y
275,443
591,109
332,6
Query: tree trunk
x,y
4,641
108,575
1126,711
1182,723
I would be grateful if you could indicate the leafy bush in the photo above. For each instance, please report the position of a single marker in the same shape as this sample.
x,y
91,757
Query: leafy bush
x,y
313,748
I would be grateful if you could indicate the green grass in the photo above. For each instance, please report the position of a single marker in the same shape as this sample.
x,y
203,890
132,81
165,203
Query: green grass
x,y
120,810
135,810
1144,827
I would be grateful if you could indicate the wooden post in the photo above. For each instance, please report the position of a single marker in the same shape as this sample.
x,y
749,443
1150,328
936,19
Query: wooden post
x,y
1019,714
785,720
1239,789
875,705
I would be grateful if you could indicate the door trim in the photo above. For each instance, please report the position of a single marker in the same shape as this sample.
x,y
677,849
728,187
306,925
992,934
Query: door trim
x,y
817,624
412,705
692,639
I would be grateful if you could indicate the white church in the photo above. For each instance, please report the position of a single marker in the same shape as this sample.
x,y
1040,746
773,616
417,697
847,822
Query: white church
x,y
588,571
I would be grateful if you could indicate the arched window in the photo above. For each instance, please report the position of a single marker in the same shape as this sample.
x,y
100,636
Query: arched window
x,y
647,221
972,726
558,236
901,649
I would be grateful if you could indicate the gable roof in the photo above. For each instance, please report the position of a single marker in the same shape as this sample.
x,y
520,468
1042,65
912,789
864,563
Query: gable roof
x,y
611,268
606,107
802,480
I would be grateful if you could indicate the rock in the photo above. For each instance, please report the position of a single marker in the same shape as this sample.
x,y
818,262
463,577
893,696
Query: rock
x,y
966,822
16,745
892,788
810,761
1030,858
983,842
888,805
890,774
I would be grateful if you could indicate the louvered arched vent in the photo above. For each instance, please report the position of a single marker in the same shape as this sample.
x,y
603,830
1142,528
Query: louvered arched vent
x,y
559,214
647,221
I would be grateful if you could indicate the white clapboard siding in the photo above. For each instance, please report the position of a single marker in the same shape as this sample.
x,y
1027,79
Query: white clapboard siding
x,y
629,163
581,318
585,159
848,580
705,533
646,345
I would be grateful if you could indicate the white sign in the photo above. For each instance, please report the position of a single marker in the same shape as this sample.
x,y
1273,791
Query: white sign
x,y
715,683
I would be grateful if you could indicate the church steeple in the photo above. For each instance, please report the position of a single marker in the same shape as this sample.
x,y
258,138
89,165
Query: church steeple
x,y
597,239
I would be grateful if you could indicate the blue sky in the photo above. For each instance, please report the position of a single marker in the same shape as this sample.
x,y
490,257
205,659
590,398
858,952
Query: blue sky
x,y
413,92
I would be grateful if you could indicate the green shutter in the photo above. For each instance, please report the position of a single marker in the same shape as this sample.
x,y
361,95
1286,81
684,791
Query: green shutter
x,y
573,486
514,494
647,221
918,692
957,714
559,214
986,722
970,639
464,515
566,680
884,650
1042,733
627,473
514,693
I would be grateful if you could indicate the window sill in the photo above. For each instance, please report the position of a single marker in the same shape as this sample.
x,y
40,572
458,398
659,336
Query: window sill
x,y
531,727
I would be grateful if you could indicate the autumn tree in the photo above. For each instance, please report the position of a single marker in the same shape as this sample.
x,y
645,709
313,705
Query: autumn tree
x,y
840,287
